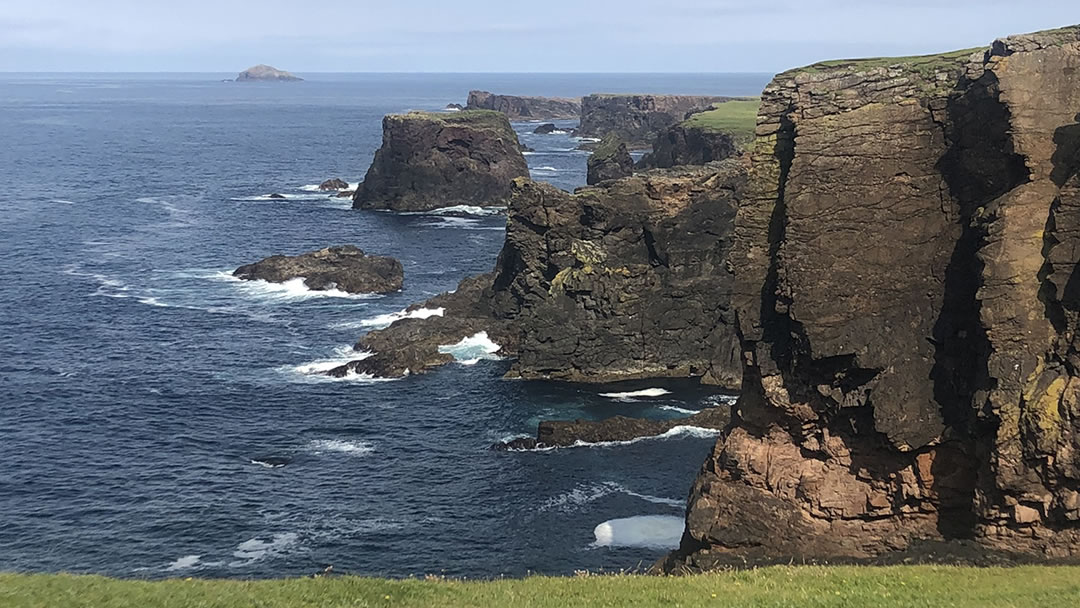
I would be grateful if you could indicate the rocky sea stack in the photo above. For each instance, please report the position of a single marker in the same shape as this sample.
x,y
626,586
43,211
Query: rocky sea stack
x,y
266,73
908,303
723,131
525,108
432,160
345,268
637,119
610,160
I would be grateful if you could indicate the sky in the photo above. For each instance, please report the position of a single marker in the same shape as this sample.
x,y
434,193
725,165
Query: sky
x,y
497,36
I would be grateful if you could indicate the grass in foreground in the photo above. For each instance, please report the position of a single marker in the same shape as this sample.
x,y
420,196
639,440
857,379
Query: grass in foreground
x,y
737,118
802,587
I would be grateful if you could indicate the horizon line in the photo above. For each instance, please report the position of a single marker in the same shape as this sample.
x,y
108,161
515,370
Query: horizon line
x,y
378,72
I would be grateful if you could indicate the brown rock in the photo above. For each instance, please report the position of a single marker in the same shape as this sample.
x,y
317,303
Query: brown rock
x,y
346,268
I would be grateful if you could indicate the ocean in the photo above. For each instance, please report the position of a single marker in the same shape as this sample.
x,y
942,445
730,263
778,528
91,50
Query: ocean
x,y
145,395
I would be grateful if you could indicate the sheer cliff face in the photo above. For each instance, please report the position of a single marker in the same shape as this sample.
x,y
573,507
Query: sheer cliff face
x,y
906,303
525,108
627,280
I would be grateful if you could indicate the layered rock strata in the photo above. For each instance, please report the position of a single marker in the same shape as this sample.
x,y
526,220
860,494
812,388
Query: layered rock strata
x,y
906,293
525,108
432,160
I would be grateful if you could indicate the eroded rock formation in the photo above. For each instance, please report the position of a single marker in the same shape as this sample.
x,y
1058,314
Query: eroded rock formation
x,y
637,119
906,291
432,160
610,160
567,433
525,108
681,144
346,268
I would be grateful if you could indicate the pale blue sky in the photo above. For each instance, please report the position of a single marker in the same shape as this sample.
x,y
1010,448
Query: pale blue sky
x,y
500,36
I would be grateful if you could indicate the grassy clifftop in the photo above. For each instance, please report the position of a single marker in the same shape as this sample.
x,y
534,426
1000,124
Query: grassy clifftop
x,y
805,587
737,118
489,119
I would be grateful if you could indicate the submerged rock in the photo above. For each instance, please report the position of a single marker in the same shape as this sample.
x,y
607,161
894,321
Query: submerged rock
x,y
906,290
346,268
525,108
555,433
432,160
454,107
346,194
334,184
266,73
277,196
610,160
545,129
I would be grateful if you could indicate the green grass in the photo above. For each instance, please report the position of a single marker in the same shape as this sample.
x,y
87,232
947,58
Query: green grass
x,y
737,118
479,118
923,65
801,587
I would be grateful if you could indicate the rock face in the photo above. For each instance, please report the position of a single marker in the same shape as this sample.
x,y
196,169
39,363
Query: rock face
x,y
545,129
525,108
432,160
681,144
346,268
266,73
637,119
617,282
557,433
333,185
610,160
906,290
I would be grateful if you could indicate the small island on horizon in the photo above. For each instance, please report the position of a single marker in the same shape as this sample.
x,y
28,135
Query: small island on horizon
x,y
263,72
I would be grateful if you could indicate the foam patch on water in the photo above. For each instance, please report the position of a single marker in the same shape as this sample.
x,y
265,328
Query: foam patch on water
x,y
381,321
642,531
645,392
341,356
584,494
320,447
293,289
260,548
467,210
678,432
186,562
717,400
471,350
681,410
546,168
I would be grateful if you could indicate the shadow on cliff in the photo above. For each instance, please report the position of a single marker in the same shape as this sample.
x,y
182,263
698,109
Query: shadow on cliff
x,y
1066,158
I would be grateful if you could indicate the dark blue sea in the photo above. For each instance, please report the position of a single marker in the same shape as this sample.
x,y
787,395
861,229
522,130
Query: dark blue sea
x,y
143,391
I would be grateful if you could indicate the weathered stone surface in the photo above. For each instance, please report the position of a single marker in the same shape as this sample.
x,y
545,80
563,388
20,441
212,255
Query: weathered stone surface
x,y
558,433
637,119
905,257
685,145
525,108
433,160
346,268
334,184
263,72
610,160
617,282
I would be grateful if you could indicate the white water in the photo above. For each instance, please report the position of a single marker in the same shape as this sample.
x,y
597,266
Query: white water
x,y
647,392
339,446
473,349
255,549
386,320
644,531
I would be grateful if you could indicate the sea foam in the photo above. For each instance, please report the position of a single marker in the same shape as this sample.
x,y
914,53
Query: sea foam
x,y
471,350
339,446
643,531
646,392
381,321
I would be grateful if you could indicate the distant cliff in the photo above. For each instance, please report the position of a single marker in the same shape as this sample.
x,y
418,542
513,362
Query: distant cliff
x,y
265,72
908,302
638,118
723,131
525,108
430,160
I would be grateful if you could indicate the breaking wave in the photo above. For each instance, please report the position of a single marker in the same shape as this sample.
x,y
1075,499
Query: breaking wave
x,y
584,494
339,446
386,320
471,350
642,531
645,392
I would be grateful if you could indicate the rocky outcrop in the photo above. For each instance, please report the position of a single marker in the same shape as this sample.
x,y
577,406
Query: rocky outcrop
x,y
622,281
546,129
637,119
431,160
334,185
346,268
266,73
454,107
682,144
610,160
558,433
525,108
906,296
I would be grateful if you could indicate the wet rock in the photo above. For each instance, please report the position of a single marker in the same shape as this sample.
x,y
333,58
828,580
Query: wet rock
x,y
525,108
346,194
432,160
346,268
334,185
276,196
610,160
545,129
554,433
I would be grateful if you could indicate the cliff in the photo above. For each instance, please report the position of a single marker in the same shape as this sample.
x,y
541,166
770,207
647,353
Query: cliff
x,y
432,160
907,303
622,281
525,108
610,160
266,73
638,118
723,131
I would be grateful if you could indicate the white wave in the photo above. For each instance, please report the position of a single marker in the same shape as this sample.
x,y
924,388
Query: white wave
x,y
559,132
687,431
715,400
62,201
267,465
588,139
339,446
467,210
293,289
386,320
342,356
646,392
584,494
471,350
643,531
260,548
681,410
545,168
529,153
451,109
184,563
